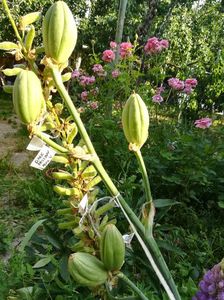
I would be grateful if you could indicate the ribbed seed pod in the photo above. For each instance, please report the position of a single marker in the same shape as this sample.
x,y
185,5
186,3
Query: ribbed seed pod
x,y
112,248
135,121
59,32
86,269
27,96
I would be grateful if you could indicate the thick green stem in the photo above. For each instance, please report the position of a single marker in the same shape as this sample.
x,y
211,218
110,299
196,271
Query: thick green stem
x,y
59,149
148,210
144,176
132,286
130,215
7,10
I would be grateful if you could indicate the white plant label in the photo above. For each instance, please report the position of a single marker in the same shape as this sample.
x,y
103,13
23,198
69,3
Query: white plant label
x,y
128,238
35,144
83,205
43,158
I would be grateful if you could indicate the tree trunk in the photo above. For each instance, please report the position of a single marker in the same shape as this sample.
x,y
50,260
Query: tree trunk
x,y
143,29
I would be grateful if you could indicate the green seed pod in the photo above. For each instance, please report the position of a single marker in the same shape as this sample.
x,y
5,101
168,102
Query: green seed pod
x,y
29,19
135,121
27,96
29,38
86,269
7,46
66,191
62,175
12,72
112,248
59,32
60,159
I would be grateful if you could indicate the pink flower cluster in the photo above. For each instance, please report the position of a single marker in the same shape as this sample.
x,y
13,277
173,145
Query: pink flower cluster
x,y
154,45
203,123
157,98
186,86
84,95
115,73
75,74
113,45
125,49
86,80
176,84
99,70
108,55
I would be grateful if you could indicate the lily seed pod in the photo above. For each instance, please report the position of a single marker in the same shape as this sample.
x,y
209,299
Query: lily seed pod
x,y
27,96
59,32
135,121
86,269
112,248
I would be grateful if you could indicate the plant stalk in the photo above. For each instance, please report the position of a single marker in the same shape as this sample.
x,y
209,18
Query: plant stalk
x,y
148,209
31,62
144,176
161,270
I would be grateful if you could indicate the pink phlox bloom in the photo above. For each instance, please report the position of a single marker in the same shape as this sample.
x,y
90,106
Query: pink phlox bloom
x,y
98,68
187,89
154,45
203,123
75,74
176,84
115,73
108,56
192,82
87,80
94,105
84,95
160,89
113,45
157,98
125,49
164,44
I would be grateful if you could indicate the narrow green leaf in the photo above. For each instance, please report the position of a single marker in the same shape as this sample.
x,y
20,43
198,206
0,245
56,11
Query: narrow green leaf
x,y
164,202
29,234
42,262
63,268
52,237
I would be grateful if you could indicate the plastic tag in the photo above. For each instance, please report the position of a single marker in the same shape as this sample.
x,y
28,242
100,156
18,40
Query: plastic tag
x,y
128,238
43,158
83,205
35,144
